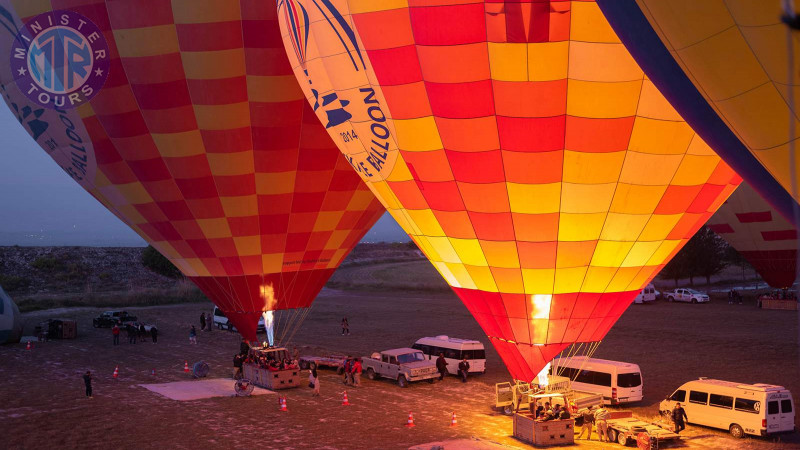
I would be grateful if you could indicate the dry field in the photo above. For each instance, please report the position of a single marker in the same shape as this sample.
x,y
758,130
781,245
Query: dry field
x,y
43,403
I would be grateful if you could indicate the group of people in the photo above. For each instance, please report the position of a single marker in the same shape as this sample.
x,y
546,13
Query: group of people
x,y
734,297
352,371
441,367
594,416
134,333
544,413
206,322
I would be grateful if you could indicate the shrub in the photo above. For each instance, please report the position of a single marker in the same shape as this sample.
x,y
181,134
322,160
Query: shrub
x,y
156,262
12,283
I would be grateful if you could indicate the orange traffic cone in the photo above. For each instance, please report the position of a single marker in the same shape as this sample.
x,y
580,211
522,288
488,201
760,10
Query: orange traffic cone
x,y
283,404
186,367
28,347
453,421
116,372
410,422
345,401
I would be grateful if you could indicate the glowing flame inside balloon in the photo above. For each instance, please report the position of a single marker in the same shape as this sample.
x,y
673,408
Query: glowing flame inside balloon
x,y
268,295
544,378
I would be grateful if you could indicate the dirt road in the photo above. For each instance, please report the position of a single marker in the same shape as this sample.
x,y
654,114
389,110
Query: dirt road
x,y
43,402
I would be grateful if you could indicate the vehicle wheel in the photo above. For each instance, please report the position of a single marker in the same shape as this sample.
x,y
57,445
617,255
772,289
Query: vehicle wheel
x,y
402,382
622,439
219,326
694,300
312,365
371,374
670,299
508,410
612,435
303,364
737,431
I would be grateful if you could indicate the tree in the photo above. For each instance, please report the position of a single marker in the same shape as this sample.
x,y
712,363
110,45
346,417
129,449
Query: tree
x,y
706,252
677,268
156,262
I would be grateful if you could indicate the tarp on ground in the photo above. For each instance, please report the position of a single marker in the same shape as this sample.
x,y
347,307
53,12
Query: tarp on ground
x,y
10,320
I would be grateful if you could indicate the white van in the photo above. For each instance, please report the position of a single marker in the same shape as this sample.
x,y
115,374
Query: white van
x,y
221,322
736,407
648,294
454,350
619,382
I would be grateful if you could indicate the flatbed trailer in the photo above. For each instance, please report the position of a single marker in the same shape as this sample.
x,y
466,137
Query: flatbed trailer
x,y
330,361
624,429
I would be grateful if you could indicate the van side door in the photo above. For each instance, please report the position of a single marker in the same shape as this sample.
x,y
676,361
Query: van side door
x,y
697,408
787,414
773,415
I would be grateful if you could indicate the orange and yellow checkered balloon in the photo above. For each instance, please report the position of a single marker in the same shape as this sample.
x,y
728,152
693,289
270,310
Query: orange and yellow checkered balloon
x,y
519,145
201,141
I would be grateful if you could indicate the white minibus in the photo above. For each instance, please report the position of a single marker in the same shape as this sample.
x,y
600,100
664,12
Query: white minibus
x,y
619,382
757,409
454,350
221,321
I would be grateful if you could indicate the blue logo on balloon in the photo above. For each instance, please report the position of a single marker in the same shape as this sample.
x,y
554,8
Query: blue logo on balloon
x,y
60,59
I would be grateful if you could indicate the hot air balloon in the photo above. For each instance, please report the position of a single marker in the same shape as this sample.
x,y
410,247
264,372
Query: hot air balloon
x,y
761,235
522,149
184,119
728,68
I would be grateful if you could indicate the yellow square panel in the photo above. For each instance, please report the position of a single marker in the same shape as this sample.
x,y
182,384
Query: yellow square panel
x,y
214,65
501,254
653,105
242,206
588,24
538,281
197,267
581,167
641,279
273,89
548,61
597,279
336,239
660,137
248,245
445,250
337,258
508,61
226,164
569,280
428,249
327,220
534,198
362,6
222,117
622,279
134,193
176,145
272,262
130,213
275,183
663,251
694,169
444,271
649,168
482,277
610,253
147,41
597,100
400,170
418,135
640,254
426,221
469,251
508,280
214,228
462,277
586,198
388,199
205,11
699,147
659,226
636,199
580,227
623,227
592,61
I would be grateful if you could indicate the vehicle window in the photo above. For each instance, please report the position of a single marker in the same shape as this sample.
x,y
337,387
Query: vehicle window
x,y
591,377
392,360
452,353
720,401
385,358
786,406
772,407
678,396
629,380
747,405
219,313
436,350
410,357
698,397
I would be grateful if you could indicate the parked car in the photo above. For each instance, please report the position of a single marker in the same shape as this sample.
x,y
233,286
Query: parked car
x,y
757,409
687,295
108,318
648,294
405,365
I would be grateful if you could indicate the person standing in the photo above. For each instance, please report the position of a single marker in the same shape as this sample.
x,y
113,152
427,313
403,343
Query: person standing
x,y
357,373
244,347
193,335
678,416
131,333
115,333
154,334
202,321
601,421
588,419
345,326
87,380
209,322
441,366
316,382
238,361
463,370
142,333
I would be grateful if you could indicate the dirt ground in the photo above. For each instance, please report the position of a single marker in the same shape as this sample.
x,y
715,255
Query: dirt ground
x,y
43,400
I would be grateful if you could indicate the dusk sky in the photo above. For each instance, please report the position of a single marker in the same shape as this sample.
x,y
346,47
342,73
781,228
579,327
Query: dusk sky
x,y
41,205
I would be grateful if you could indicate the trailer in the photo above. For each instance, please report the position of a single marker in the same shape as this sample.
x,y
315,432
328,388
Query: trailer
x,y
510,398
330,361
623,429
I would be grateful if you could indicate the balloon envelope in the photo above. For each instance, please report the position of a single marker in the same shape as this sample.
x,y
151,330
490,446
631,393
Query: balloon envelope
x,y
522,149
761,235
200,140
725,66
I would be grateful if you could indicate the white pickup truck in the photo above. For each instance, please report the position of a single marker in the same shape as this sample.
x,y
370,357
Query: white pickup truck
x,y
402,364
